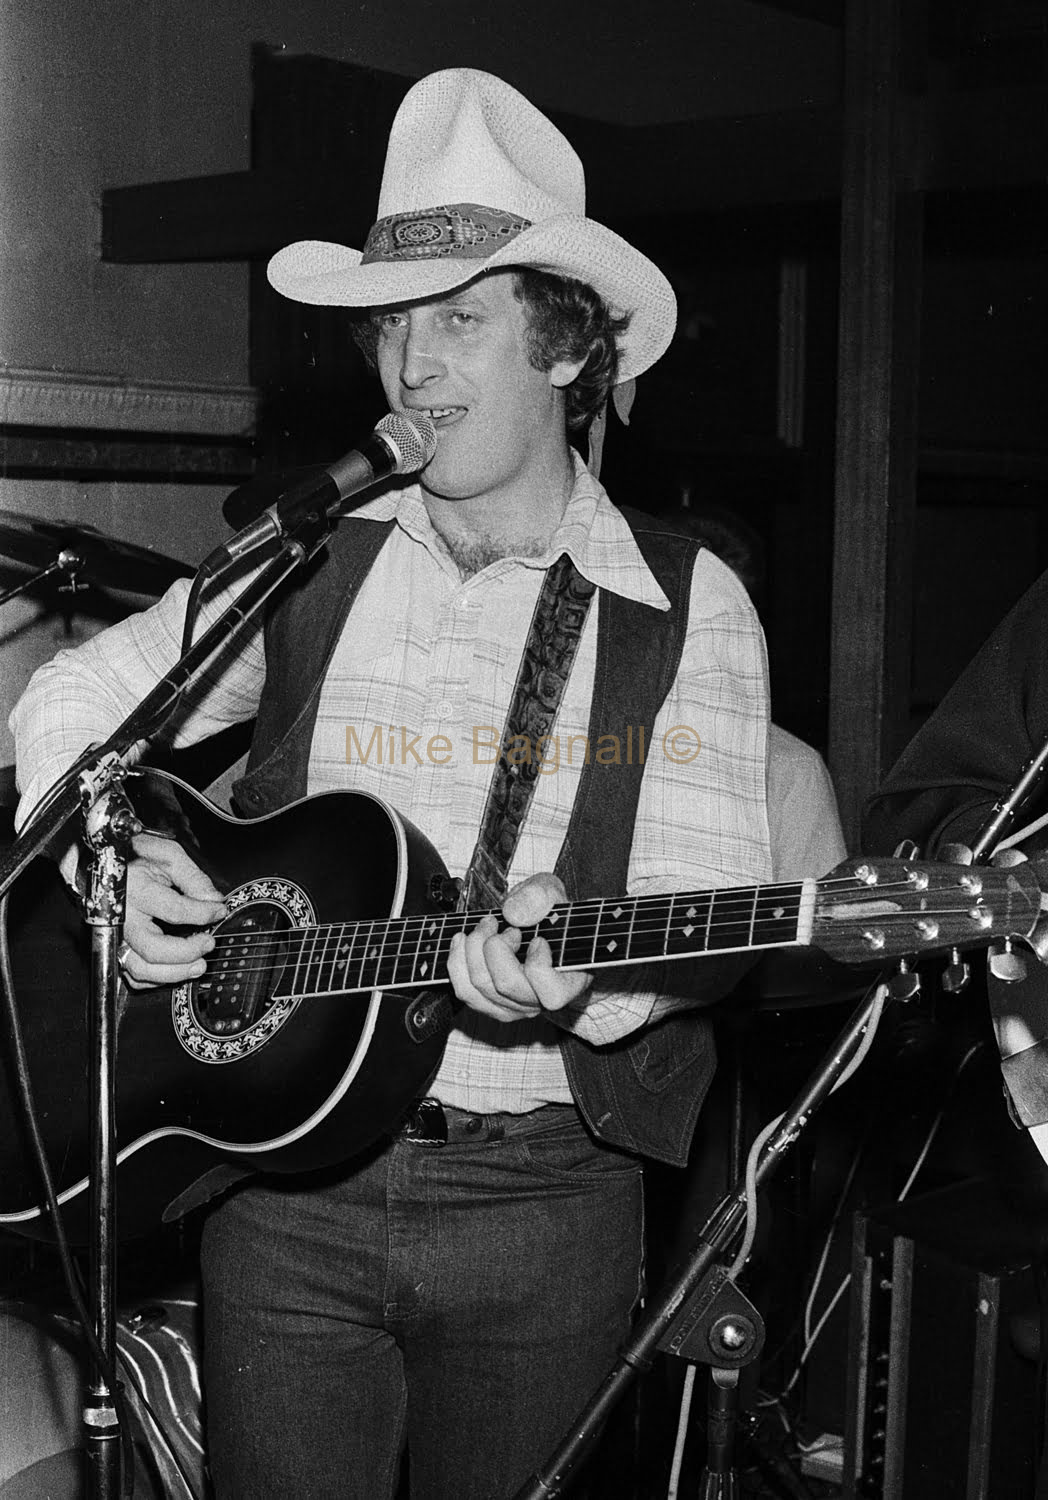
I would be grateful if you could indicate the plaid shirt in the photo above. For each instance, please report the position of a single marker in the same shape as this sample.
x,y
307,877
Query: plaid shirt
x,y
412,709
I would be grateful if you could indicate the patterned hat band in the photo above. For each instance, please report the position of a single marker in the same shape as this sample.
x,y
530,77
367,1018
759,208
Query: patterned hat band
x,y
461,231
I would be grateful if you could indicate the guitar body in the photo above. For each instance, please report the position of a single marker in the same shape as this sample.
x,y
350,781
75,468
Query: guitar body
x,y
308,1083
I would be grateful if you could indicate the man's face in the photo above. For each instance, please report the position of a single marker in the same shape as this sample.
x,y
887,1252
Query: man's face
x,y
462,359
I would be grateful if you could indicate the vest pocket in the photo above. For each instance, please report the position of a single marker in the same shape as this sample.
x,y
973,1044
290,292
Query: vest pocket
x,y
665,1050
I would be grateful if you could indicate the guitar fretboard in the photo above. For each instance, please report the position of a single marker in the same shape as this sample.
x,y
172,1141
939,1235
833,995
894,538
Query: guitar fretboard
x,y
404,952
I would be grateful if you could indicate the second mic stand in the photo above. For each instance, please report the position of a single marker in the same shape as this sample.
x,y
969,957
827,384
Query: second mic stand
x,y
699,1314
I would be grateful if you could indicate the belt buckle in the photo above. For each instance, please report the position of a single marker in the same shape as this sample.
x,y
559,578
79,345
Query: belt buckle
x,y
425,1124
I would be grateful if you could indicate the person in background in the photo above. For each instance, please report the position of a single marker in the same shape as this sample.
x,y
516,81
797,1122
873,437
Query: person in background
x,y
805,825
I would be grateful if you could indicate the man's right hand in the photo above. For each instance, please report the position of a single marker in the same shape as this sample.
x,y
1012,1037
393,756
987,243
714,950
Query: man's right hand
x,y
164,885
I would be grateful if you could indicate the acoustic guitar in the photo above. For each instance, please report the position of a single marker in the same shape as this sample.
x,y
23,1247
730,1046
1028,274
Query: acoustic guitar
x,y
324,1008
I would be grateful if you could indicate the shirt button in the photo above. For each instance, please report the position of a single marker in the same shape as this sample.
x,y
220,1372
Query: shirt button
x,y
445,709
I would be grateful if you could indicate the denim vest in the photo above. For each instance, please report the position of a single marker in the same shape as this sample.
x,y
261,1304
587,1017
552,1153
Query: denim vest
x,y
643,1093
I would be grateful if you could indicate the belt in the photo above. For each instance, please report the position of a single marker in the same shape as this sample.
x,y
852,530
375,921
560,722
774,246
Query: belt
x,y
429,1123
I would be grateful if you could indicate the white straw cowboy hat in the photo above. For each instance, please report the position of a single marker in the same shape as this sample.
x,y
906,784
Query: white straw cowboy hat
x,y
476,178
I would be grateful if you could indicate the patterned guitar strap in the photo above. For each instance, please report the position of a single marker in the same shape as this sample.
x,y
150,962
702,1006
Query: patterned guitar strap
x,y
553,639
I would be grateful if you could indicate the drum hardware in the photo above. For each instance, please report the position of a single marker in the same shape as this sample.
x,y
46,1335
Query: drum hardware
x,y
85,556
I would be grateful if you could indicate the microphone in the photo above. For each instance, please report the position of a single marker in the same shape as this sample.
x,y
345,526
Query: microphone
x,y
399,445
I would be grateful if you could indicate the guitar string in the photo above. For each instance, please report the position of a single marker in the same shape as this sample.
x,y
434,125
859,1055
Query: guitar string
x,y
728,909
407,932
290,944
596,910
729,906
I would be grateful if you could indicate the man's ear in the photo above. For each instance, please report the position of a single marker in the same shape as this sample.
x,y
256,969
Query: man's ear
x,y
564,372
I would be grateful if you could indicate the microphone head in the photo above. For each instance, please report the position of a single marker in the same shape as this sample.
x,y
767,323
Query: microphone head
x,y
413,438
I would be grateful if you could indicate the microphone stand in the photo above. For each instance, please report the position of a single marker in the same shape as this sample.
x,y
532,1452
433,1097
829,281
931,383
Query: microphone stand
x,y
1004,811
93,785
699,1314
691,1316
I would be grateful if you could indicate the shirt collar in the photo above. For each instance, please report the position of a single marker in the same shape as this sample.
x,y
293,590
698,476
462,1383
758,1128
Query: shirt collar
x,y
595,535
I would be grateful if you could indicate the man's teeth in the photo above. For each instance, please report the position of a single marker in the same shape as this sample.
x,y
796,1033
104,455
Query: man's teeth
x,y
441,411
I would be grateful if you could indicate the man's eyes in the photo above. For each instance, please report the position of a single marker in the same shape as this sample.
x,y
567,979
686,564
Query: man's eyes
x,y
454,317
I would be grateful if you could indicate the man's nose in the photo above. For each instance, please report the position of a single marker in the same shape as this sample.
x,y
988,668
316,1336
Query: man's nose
x,y
420,360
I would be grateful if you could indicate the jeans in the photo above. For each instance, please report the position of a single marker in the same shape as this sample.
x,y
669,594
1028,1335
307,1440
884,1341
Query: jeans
x,y
466,1300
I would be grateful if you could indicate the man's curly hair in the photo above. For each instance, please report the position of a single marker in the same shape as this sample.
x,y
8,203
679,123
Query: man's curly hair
x,y
566,320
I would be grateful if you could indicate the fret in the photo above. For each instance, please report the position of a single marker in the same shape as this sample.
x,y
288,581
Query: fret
x,y
611,937
777,915
729,921
668,925
326,960
385,962
366,959
688,930
392,949
303,982
554,928
342,951
650,932
579,935
458,922
426,966
356,940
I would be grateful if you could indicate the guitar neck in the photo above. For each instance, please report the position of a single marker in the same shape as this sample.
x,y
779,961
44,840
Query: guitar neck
x,y
403,952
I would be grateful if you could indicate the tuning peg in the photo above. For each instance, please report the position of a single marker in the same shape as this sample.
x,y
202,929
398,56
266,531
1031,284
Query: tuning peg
x,y
905,983
1005,964
1037,938
956,854
956,974
1005,858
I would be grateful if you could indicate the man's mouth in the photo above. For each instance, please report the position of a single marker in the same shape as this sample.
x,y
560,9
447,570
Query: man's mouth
x,y
443,416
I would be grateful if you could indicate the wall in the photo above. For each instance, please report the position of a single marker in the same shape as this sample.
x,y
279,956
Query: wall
x,y
97,96
140,90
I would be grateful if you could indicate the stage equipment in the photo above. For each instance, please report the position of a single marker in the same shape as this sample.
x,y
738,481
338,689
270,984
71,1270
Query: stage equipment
x,y
84,555
41,1385
685,1300
940,1402
94,786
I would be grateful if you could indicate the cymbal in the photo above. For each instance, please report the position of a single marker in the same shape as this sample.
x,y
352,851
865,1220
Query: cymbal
x,y
108,563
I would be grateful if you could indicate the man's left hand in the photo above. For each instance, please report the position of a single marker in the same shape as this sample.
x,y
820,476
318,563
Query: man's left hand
x,y
486,973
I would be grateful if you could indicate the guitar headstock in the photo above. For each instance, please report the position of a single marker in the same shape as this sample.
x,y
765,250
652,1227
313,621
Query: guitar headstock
x,y
869,908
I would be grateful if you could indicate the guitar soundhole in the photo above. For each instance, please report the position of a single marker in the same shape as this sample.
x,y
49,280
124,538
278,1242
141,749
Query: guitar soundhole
x,y
251,948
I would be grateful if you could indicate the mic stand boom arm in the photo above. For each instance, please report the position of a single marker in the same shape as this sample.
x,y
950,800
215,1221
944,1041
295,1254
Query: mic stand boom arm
x,y
1004,811
93,784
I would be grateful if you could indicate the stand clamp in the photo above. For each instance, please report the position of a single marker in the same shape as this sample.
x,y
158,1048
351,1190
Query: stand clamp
x,y
716,1325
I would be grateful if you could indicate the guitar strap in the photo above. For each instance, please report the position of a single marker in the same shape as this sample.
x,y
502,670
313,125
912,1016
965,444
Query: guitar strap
x,y
553,639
